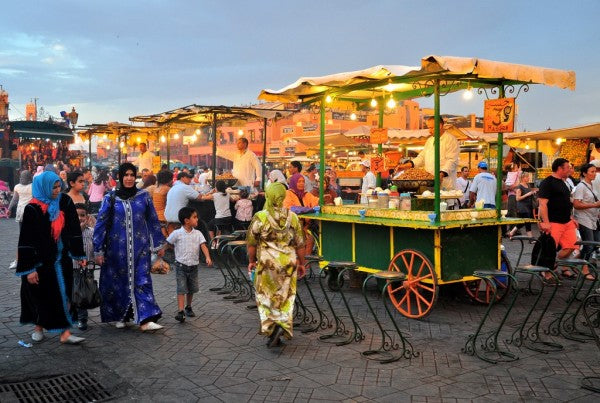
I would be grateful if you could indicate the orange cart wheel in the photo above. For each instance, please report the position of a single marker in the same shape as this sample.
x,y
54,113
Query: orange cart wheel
x,y
480,291
415,296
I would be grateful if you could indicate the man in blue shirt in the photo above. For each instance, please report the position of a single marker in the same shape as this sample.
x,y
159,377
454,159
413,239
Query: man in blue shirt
x,y
483,187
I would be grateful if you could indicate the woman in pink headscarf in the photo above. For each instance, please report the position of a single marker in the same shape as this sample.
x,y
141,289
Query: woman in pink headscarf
x,y
297,196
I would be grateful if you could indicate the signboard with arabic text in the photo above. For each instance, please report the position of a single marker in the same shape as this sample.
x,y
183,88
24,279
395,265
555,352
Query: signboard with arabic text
x,y
499,115
377,164
379,136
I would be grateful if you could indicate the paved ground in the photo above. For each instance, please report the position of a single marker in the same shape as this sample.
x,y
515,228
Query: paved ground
x,y
218,355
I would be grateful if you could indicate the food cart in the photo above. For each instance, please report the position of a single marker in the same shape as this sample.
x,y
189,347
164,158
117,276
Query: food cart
x,y
431,247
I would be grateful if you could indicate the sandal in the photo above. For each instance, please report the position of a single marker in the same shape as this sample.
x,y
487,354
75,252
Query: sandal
x,y
568,274
551,280
589,276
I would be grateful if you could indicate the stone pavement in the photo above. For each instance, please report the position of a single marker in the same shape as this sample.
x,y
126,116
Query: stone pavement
x,y
218,356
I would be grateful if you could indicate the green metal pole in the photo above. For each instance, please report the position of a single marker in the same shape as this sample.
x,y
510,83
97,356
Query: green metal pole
x,y
500,159
380,146
214,149
168,149
436,147
264,159
322,151
90,152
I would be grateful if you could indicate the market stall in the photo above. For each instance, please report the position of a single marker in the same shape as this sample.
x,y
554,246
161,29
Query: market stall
x,y
433,247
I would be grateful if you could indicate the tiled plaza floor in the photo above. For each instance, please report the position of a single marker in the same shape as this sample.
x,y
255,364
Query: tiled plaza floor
x,y
218,356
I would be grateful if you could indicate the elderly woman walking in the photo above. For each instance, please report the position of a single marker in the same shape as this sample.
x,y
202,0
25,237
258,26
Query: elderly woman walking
x,y
276,252
50,237
126,233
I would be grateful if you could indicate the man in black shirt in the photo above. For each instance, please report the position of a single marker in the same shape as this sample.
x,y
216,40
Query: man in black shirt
x,y
555,209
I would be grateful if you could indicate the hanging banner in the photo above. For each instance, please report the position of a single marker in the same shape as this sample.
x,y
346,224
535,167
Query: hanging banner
x,y
377,164
499,115
379,136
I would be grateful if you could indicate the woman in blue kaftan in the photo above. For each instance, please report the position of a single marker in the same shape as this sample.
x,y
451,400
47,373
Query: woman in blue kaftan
x,y
127,232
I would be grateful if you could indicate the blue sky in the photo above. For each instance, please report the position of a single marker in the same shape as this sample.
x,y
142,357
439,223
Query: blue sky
x,y
115,59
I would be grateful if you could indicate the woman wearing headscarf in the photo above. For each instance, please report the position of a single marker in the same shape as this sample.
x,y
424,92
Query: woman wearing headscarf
x,y
50,238
38,170
296,196
276,252
127,231
277,176
21,197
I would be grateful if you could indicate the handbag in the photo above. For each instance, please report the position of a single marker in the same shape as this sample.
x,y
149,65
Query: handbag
x,y
86,294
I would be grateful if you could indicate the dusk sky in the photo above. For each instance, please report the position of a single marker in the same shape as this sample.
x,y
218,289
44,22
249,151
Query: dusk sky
x,y
116,59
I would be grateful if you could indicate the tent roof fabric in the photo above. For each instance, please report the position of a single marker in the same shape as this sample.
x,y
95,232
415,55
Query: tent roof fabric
x,y
38,129
578,132
203,114
456,73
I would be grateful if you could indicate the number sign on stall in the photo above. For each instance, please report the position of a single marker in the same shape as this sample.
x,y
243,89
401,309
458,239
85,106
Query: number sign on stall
x,y
499,115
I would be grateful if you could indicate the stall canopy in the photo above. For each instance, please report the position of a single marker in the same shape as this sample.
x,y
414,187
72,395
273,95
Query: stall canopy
x,y
437,76
417,136
28,129
205,115
412,82
578,132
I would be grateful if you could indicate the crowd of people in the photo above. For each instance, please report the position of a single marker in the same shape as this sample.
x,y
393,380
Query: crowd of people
x,y
119,219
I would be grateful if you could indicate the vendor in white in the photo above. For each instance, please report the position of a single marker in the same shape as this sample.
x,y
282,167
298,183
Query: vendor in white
x,y
483,187
369,182
448,156
144,160
246,167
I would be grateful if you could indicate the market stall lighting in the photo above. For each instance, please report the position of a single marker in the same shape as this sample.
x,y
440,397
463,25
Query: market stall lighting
x,y
373,103
468,93
527,146
240,132
391,103
139,139
122,144
163,139
353,116
194,137
328,99
108,147
176,136
105,136
559,141
197,132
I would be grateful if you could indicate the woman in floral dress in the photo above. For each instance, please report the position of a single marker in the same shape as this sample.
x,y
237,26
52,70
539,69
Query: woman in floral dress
x,y
276,251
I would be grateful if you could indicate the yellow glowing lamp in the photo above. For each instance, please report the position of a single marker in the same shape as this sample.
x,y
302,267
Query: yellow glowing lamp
x,y
328,99
194,137
198,132
373,103
163,139
139,139
391,103
240,132
122,144
176,136
353,116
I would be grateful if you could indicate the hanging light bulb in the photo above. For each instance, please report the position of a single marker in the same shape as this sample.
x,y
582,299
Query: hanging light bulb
x,y
353,116
527,146
122,144
328,99
105,136
194,138
139,139
468,93
240,132
391,103
373,103
163,139
176,136
108,147
197,132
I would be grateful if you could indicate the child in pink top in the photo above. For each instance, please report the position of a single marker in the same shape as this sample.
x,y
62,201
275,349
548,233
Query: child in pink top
x,y
243,210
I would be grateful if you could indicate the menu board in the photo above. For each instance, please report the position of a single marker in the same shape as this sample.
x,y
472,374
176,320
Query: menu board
x,y
379,136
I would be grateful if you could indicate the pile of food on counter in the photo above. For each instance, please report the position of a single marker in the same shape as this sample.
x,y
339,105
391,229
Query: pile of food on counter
x,y
414,174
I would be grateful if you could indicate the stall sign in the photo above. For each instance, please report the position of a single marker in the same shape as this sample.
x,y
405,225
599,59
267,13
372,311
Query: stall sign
x,y
290,150
499,115
274,150
188,140
379,136
377,164
392,159
287,130
309,129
